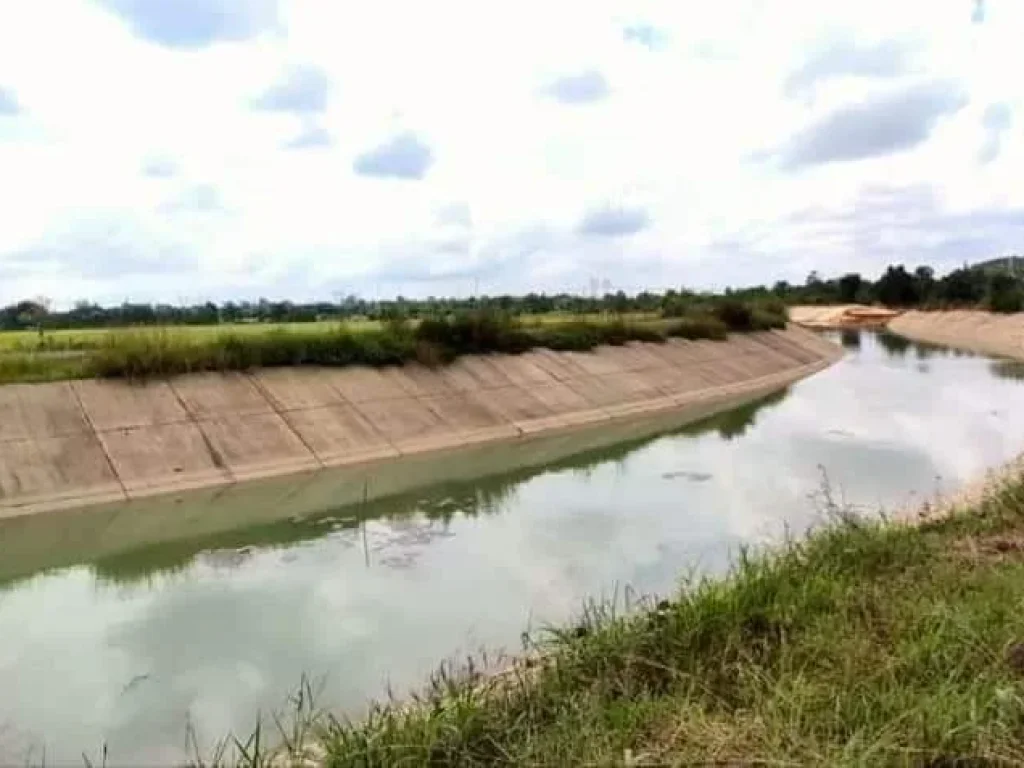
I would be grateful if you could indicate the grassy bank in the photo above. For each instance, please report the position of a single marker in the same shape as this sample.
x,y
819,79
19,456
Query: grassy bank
x,y
141,354
866,644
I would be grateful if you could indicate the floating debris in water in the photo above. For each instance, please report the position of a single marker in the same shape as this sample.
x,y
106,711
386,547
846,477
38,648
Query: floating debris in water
x,y
134,682
225,557
696,477
841,433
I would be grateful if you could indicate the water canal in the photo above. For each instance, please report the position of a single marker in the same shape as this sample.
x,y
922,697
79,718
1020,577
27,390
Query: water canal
x,y
129,647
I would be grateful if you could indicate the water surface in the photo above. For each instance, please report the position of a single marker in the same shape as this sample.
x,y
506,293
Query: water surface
x,y
130,647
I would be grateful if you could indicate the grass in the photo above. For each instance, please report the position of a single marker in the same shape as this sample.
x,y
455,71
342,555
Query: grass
x,y
82,339
867,643
144,353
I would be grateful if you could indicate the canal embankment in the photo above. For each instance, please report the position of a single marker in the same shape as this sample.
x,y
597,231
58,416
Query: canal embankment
x,y
841,316
987,333
95,442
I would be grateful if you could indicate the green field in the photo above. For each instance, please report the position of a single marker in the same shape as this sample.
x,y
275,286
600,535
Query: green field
x,y
72,339
138,353
90,338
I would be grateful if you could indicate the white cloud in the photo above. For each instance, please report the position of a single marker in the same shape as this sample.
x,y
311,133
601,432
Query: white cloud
x,y
681,102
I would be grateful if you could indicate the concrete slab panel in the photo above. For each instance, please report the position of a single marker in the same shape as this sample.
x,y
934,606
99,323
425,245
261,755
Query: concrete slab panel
x,y
678,352
635,385
668,380
418,380
116,404
516,404
778,360
403,419
712,374
359,384
789,346
208,395
780,346
557,364
339,434
568,420
40,410
622,393
762,364
51,472
289,389
560,398
256,444
713,350
645,354
522,371
804,343
469,413
601,361
600,391
644,406
733,370
474,373
162,458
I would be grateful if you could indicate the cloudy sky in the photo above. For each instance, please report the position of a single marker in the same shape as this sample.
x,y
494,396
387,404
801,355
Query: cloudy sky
x,y
195,149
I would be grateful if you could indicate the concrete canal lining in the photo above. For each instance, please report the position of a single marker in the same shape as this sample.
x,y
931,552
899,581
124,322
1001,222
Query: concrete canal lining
x,y
89,442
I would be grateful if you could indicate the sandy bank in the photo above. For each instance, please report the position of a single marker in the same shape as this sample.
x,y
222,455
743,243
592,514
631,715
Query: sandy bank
x,y
78,443
983,332
841,316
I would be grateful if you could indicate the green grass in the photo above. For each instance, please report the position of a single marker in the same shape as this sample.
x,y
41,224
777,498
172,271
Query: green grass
x,y
144,353
867,643
81,339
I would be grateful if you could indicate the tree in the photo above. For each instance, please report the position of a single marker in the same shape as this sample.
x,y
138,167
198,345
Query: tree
x,y
962,286
1005,293
897,287
849,287
925,277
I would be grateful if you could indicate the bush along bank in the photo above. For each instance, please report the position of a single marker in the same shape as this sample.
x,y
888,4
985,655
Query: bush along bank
x,y
143,354
867,643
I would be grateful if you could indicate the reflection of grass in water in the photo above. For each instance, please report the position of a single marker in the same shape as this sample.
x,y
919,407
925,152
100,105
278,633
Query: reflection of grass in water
x,y
440,503
1008,369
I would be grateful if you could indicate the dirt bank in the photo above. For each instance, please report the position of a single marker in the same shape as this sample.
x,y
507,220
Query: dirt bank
x,y
841,316
89,442
983,332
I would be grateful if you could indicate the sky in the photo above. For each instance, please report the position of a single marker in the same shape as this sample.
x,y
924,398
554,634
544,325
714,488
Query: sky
x,y
307,149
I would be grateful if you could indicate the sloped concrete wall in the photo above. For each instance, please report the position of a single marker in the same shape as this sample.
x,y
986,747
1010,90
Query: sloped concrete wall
x,y
92,442
983,332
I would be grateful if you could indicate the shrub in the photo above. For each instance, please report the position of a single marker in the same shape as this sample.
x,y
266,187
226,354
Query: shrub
x,y
697,328
736,315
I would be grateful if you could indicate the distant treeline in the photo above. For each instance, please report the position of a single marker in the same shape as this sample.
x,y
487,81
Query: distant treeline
x,y
32,314
997,285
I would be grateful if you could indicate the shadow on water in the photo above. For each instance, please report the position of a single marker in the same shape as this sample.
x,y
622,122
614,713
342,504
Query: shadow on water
x,y
1008,369
900,346
440,502
850,338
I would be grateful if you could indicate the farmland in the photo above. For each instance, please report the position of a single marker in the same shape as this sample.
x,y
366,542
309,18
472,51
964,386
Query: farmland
x,y
143,352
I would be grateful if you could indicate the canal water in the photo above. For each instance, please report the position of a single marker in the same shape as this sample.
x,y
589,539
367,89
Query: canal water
x,y
131,648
